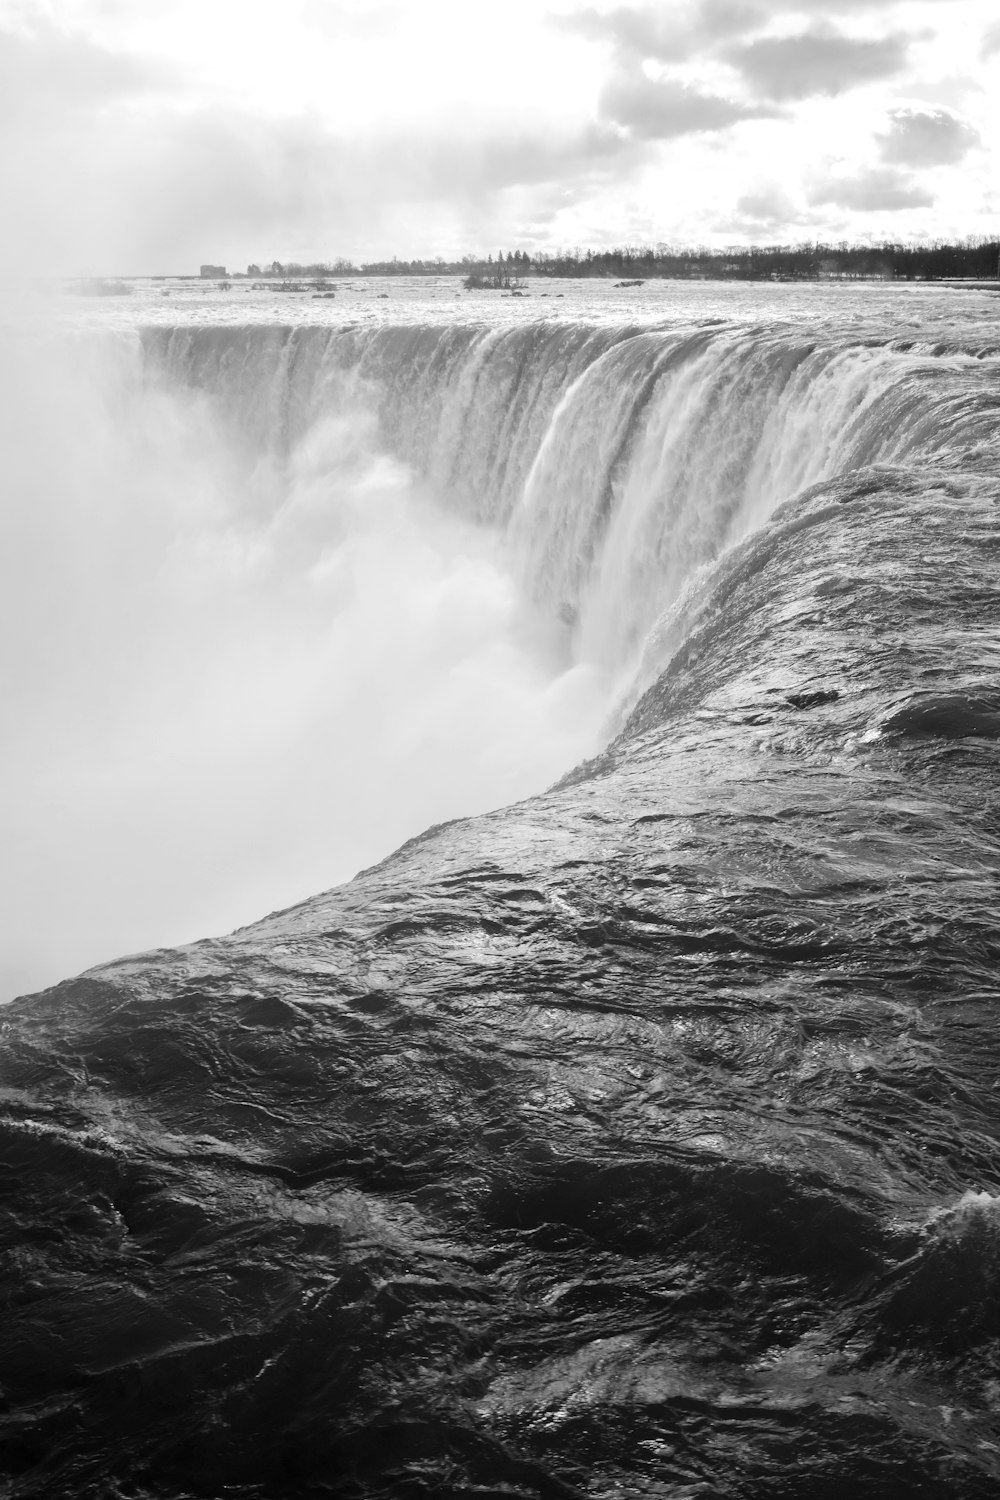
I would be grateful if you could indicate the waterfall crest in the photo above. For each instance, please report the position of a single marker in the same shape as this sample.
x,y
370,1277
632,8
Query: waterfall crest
x,y
615,462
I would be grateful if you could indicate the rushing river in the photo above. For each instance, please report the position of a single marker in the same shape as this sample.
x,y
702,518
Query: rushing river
x,y
639,1138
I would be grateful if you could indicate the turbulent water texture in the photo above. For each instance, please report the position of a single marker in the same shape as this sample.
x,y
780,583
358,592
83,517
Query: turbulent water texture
x,y
641,1138
616,460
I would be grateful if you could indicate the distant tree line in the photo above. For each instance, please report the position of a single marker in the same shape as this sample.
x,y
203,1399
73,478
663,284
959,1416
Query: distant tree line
x,y
891,260
974,257
506,268
503,273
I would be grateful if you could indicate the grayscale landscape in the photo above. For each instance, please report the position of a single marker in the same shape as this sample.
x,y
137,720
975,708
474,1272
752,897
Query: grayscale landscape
x,y
500,628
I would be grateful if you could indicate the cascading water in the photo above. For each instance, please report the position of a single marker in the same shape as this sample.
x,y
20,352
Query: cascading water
x,y
614,462
639,1138
381,576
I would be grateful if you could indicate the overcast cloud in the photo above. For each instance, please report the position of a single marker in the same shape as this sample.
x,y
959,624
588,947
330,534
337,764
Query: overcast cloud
x,y
676,32
663,110
991,42
927,138
871,191
156,133
817,62
49,72
769,207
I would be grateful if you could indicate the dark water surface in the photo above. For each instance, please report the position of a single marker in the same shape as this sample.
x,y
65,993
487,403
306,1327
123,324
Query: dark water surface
x,y
639,1139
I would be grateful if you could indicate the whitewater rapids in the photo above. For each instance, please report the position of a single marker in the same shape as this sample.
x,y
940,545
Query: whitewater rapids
x,y
641,1137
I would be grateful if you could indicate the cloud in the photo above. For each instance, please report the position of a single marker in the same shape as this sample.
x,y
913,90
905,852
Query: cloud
x,y
820,61
767,207
666,35
664,110
340,20
46,73
926,138
431,166
990,44
108,165
176,188
677,32
952,91
871,190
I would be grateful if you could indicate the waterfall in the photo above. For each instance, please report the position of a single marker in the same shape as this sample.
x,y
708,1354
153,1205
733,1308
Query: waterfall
x,y
615,462
276,599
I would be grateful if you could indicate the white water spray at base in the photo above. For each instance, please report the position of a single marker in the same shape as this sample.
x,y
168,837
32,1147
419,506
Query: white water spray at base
x,y
230,684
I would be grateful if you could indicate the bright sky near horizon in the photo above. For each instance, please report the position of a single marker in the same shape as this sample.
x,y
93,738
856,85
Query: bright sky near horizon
x,y
151,135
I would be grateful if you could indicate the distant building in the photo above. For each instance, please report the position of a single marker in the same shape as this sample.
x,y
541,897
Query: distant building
x,y
212,273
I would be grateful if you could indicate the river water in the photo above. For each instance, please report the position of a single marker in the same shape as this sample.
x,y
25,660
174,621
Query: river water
x,y
636,1138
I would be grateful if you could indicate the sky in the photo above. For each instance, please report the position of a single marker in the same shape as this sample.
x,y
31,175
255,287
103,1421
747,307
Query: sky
x,y
148,136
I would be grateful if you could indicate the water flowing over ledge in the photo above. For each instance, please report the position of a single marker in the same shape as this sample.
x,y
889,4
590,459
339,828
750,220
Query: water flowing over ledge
x,y
617,461
640,1138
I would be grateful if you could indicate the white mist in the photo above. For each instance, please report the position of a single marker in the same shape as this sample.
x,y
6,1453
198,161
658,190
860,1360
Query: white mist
x,y
228,685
